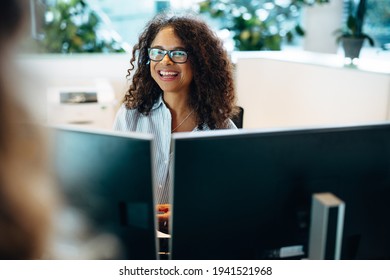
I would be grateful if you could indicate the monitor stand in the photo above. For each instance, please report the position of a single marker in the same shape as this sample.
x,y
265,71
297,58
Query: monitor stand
x,y
326,227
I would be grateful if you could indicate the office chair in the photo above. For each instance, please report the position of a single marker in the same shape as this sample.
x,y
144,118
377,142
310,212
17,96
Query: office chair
x,y
238,119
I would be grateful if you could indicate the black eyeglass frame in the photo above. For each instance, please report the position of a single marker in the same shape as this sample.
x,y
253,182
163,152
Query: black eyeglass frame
x,y
169,52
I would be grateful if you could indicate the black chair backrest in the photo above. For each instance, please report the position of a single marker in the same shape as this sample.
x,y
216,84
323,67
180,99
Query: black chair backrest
x,y
239,118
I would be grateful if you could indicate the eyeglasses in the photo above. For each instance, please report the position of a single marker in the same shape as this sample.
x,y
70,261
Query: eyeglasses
x,y
177,56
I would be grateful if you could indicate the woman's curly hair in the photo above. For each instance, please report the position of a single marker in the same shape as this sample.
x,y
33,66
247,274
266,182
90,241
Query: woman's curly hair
x,y
212,94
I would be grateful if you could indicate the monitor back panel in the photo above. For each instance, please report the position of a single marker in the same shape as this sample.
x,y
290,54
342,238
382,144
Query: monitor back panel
x,y
248,194
107,178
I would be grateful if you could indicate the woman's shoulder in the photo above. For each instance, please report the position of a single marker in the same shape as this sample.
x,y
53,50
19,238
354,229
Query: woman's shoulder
x,y
205,127
231,125
125,117
123,109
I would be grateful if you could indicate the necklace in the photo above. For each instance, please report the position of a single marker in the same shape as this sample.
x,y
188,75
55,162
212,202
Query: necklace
x,y
182,121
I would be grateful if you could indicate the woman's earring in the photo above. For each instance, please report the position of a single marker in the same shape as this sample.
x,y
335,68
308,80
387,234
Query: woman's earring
x,y
148,62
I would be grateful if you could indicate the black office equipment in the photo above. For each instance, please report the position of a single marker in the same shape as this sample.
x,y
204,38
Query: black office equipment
x,y
107,177
247,194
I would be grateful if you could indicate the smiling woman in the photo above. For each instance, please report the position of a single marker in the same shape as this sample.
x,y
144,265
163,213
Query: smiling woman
x,y
174,78
183,82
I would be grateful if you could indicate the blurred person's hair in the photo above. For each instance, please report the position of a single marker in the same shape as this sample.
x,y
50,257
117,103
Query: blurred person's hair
x,y
26,195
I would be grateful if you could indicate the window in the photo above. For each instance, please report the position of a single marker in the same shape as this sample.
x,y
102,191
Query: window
x,y
128,18
377,20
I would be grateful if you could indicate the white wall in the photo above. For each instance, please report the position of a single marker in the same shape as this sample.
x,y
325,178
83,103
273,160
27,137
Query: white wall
x,y
280,90
320,22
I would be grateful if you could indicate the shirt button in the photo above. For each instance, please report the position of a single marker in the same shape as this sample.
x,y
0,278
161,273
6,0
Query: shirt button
x,y
160,186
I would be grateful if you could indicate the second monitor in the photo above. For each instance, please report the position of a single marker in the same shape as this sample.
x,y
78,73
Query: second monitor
x,y
247,194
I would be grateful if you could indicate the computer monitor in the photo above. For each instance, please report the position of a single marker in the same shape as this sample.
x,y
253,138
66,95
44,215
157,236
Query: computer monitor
x,y
247,194
107,177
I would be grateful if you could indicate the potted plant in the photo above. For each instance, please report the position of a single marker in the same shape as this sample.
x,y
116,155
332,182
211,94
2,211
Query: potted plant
x,y
72,26
258,25
351,36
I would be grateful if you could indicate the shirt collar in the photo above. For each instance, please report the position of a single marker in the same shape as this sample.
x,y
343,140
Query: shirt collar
x,y
158,103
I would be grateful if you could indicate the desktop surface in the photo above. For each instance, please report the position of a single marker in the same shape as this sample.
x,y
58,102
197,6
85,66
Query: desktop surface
x,y
247,194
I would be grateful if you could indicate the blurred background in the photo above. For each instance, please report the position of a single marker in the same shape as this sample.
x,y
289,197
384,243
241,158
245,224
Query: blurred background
x,y
290,64
74,26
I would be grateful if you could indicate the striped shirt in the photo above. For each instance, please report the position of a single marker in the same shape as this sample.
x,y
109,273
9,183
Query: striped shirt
x,y
158,123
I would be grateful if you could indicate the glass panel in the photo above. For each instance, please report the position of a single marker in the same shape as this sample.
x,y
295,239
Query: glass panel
x,y
123,20
126,17
378,21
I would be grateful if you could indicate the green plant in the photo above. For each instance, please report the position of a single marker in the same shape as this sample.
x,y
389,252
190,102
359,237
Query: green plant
x,y
354,24
260,24
71,26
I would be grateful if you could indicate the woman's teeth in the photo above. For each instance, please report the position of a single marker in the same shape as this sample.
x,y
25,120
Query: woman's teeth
x,y
168,73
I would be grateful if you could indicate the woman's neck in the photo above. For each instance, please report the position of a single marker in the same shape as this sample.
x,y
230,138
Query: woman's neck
x,y
183,117
177,103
